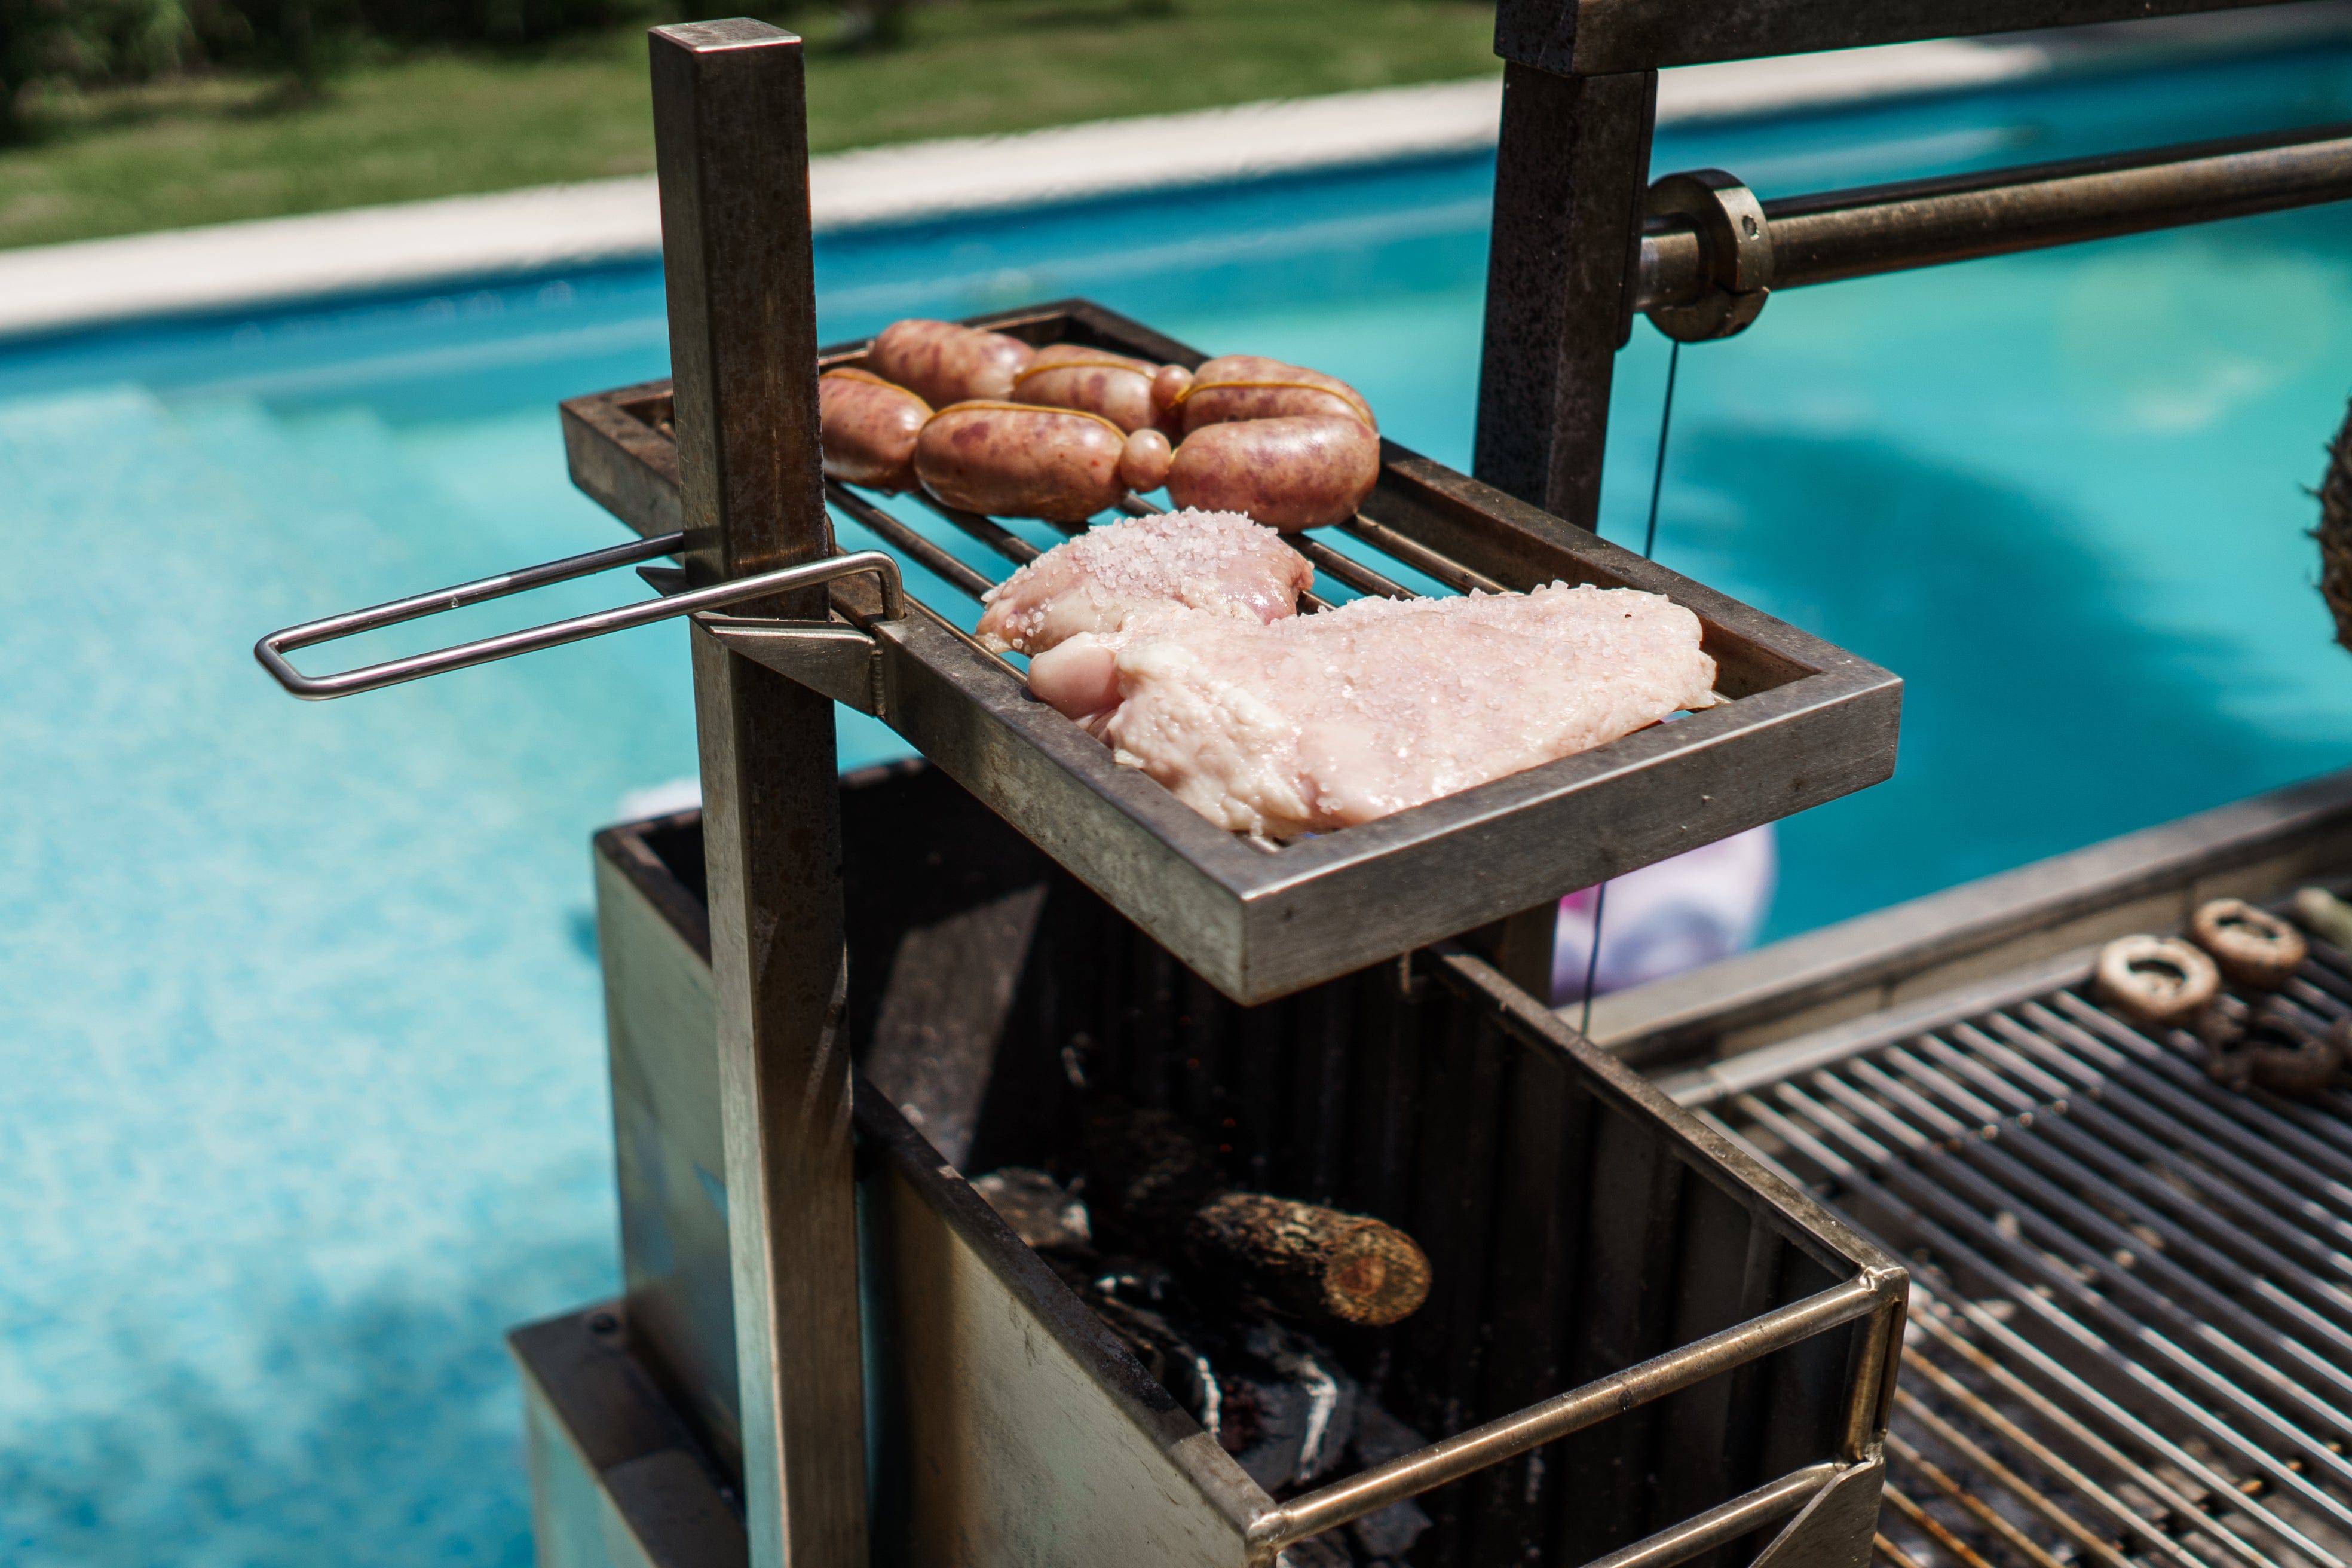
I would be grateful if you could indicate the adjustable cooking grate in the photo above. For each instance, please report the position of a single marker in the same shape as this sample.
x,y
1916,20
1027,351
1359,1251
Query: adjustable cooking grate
x,y
1807,721
2131,1339
1804,722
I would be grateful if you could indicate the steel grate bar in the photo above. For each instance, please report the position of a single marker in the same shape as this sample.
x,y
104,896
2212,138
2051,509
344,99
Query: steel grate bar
x,y
1944,1220
1934,1321
2101,1426
1419,557
905,541
1918,1415
2154,1172
2131,1340
1910,1457
2328,1171
2049,1179
2191,1128
986,529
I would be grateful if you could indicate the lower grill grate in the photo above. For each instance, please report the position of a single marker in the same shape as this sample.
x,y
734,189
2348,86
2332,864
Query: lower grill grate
x,y
2132,1309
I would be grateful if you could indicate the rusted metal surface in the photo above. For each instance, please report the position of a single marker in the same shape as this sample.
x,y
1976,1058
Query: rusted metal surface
x,y
732,149
1574,158
1695,251
1598,38
1809,722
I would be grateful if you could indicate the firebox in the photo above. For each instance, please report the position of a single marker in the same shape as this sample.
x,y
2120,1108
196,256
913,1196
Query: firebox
x,y
1639,1345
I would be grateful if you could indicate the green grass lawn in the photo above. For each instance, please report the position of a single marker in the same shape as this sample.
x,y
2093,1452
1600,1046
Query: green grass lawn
x,y
212,149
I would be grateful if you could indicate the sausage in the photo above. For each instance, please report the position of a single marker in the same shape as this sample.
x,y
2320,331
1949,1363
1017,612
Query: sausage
x,y
1235,387
1017,459
868,428
941,363
1301,472
1168,390
1070,376
1144,463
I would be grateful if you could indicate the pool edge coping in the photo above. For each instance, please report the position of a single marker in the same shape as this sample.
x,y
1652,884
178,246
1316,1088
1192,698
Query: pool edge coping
x,y
47,291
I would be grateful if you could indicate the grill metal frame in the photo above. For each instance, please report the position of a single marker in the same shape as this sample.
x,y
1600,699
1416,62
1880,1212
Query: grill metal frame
x,y
1616,1284
1807,721
2133,1296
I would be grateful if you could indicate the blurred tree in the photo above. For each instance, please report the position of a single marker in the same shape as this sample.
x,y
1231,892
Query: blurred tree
x,y
92,43
295,36
83,42
496,21
875,24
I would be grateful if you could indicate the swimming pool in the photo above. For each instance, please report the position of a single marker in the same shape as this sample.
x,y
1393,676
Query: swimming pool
x,y
304,1068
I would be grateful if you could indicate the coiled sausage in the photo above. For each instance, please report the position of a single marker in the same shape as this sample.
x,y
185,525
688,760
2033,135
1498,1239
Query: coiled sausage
x,y
941,363
868,428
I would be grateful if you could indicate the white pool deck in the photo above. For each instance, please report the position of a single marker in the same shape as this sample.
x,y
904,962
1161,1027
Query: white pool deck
x,y
416,244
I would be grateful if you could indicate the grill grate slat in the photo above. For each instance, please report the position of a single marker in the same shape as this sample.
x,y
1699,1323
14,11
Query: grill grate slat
x,y
2132,1330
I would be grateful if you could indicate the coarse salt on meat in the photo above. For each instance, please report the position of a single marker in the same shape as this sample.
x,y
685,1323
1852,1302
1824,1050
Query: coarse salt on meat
x,y
1327,720
1216,562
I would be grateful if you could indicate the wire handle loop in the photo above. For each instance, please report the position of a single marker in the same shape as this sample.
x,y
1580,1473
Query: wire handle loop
x,y
272,649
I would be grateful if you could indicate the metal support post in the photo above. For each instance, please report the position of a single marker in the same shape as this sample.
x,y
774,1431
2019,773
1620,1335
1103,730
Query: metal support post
x,y
731,146
1569,180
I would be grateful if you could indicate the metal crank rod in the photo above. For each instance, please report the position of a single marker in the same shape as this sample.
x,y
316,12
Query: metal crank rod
x,y
1710,251
272,649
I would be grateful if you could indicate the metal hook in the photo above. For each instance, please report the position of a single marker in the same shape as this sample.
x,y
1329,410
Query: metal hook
x,y
272,649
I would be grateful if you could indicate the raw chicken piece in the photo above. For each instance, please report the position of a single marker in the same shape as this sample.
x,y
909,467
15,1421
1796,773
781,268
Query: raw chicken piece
x,y
1219,562
1327,720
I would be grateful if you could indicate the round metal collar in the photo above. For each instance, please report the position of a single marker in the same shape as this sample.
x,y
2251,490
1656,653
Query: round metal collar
x,y
1736,243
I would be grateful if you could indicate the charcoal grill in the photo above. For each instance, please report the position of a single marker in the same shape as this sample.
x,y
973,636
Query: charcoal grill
x,y
713,1415
1703,1283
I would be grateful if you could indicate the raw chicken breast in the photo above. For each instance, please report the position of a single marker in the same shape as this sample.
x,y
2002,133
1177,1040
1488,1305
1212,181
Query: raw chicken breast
x,y
1219,562
1325,720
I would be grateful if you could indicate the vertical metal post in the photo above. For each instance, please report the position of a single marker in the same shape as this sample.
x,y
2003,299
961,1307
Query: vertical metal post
x,y
731,145
1573,163
1569,177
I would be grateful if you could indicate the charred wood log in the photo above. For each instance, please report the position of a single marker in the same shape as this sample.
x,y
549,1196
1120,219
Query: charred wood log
x,y
1151,1182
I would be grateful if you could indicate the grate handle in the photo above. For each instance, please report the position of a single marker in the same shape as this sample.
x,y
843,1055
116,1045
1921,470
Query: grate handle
x,y
272,649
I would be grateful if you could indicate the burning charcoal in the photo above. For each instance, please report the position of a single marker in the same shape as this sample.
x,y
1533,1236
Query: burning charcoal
x,y
1041,1211
1159,1187
1306,1262
1271,1397
1379,1437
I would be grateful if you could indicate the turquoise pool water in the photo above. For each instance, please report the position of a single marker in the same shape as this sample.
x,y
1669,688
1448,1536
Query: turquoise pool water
x,y
301,1086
